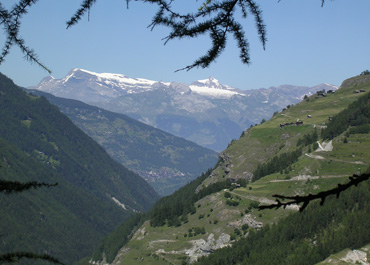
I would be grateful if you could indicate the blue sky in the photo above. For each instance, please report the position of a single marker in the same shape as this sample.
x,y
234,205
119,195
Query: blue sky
x,y
307,45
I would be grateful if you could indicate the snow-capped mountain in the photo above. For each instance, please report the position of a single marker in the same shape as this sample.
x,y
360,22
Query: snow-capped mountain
x,y
206,111
90,86
213,88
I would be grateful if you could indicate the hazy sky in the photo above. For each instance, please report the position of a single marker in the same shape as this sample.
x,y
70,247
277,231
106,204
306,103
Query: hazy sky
x,y
307,44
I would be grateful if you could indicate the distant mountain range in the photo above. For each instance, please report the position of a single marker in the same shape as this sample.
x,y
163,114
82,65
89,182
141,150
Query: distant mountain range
x,y
165,161
206,112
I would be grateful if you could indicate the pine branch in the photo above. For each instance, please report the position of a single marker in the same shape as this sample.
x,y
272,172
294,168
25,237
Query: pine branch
x,y
85,7
14,257
11,23
15,186
305,200
215,18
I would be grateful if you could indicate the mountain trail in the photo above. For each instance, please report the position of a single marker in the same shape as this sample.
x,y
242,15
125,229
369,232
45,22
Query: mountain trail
x,y
263,200
254,198
307,177
337,160
315,156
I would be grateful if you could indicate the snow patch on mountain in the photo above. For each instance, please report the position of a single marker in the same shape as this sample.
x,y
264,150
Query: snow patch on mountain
x,y
330,85
212,87
119,78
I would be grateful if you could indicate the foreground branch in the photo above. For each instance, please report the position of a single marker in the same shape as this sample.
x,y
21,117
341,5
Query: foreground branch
x,y
15,186
305,200
14,257
217,19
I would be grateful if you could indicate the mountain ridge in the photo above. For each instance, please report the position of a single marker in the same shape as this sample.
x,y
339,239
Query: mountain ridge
x,y
208,115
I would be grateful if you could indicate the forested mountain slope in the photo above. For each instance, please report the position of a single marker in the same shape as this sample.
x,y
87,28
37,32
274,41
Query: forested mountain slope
x,y
167,162
306,148
94,192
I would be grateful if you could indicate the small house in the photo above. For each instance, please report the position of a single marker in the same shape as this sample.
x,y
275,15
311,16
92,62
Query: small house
x,y
299,123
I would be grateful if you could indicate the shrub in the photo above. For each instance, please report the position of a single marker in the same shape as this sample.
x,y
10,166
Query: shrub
x,y
232,203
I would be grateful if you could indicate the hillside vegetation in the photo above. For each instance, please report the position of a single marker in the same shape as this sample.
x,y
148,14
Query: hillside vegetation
x,y
290,159
167,162
94,192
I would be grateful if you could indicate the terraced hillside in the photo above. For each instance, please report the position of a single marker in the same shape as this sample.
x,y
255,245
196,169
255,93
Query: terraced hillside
x,y
260,143
299,151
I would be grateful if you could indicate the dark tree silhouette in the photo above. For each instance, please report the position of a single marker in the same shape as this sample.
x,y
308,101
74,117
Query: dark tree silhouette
x,y
15,187
305,200
16,256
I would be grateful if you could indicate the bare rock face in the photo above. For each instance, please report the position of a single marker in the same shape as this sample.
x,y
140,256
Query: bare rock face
x,y
247,219
203,247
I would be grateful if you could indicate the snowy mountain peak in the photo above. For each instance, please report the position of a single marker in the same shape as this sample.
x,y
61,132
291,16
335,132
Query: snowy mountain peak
x,y
92,87
212,87
330,85
113,78
211,81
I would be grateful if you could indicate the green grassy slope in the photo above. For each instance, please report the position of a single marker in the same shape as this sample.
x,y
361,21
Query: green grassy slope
x,y
306,237
38,143
260,143
349,256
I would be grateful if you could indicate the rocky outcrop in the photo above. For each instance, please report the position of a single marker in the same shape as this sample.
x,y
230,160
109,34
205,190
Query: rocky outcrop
x,y
247,219
203,247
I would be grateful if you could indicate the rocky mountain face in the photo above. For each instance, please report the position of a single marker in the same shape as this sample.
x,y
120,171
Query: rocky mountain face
x,y
206,112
